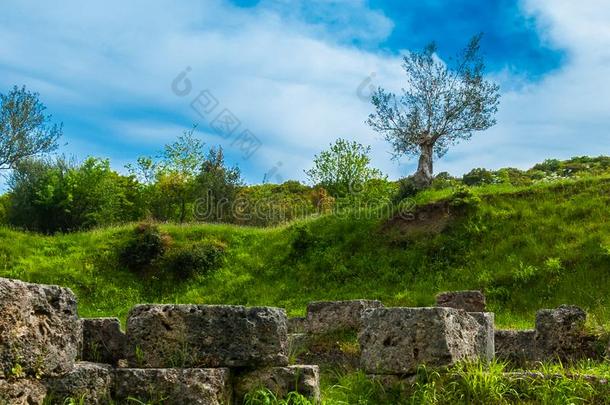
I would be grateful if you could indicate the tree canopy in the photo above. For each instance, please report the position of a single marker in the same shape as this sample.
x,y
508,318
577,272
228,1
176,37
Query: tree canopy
x,y
442,104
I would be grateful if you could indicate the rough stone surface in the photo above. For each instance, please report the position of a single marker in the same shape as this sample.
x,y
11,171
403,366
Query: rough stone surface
x,y
332,316
90,382
39,328
560,333
280,380
191,386
206,336
515,346
469,301
398,340
22,392
297,325
485,337
103,340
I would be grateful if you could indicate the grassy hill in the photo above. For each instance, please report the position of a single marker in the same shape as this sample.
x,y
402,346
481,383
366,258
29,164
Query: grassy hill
x,y
526,247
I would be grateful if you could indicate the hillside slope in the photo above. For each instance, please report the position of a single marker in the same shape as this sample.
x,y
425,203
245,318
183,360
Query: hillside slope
x,y
526,248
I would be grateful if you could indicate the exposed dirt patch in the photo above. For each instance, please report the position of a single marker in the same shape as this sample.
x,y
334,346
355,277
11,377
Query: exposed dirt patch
x,y
428,219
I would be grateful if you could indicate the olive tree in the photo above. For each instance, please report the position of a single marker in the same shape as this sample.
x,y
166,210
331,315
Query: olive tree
x,y
25,130
443,104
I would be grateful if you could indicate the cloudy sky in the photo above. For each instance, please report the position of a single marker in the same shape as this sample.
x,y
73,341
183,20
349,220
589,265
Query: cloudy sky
x,y
292,76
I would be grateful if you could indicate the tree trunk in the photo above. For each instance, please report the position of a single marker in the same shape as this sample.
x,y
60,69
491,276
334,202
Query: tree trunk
x,y
424,174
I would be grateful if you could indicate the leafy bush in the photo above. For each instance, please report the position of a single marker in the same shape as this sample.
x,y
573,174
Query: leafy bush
x,y
406,189
463,197
194,259
146,245
444,180
302,240
477,177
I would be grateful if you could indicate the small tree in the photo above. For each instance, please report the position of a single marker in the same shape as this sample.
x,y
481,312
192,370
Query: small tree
x,y
343,169
25,130
217,185
442,105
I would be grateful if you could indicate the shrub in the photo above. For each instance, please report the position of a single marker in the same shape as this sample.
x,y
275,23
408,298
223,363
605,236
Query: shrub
x,y
146,245
194,259
406,189
444,180
463,197
477,177
302,240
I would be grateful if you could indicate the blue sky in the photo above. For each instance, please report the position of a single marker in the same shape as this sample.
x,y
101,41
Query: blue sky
x,y
292,76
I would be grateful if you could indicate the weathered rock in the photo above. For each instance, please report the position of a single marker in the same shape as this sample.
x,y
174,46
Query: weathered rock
x,y
280,380
469,301
103,340
39,328
560,333
515,346
332,316
22,391
485,336
398,340
192,386
206,336
90,382
297,325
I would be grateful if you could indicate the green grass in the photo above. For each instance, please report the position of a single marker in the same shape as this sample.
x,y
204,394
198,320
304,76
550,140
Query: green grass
x,y
525,247
463,384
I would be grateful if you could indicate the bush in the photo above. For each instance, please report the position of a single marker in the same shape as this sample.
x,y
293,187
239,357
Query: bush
x,y
463,197
477,177
194,259
406,189
146,245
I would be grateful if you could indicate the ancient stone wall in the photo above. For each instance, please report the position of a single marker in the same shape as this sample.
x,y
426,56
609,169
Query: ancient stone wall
x,y
217,354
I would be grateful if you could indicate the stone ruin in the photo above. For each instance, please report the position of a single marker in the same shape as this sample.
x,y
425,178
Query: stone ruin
x,y
216,354
172,354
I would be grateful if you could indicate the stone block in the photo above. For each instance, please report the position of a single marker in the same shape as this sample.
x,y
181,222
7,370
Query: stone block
x,y
515,346
332,316
469,301
172,386
103,340
560,333
206,336
303,379
398,340
40,332
90,383
23,391
485,337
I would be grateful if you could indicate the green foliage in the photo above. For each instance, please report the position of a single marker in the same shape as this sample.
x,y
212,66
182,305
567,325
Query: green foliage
x,y
478,177
464,197
547,242
343,169
266,397
55,195
5,202
184,183
146,244
25,130
201,258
